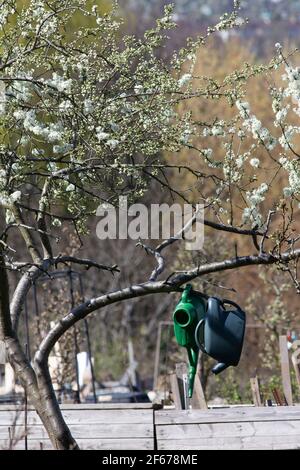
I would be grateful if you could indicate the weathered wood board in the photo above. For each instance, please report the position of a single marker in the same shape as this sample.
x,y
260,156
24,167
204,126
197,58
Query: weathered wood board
x,y
93,444
232,428
129,427
93,426
222,415
285,370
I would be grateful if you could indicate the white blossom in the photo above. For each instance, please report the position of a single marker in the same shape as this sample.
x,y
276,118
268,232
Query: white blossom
x,y
3,177
253,216
52,133
184,79
239,161
19,114
20,90
62,148
60,83
292,76
88,106
207,153
24,140
244,108
65,105
286,139
16,196
138,89
217,131
287,192
254,125
254,162
9,217
257,195
112,143
281,115
100,134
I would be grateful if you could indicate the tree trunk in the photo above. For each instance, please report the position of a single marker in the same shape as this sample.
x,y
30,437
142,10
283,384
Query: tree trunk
x,y
41,395
50,412
37,382
55,425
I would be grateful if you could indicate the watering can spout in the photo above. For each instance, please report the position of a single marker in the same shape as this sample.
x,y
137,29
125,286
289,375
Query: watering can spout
x,y
193,360
219,368
192,373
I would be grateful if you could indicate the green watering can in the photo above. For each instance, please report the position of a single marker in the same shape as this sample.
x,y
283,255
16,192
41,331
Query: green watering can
x,y
220,334
188,313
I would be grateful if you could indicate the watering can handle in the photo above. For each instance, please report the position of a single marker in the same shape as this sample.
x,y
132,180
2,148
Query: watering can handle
x,y
230,302
200,345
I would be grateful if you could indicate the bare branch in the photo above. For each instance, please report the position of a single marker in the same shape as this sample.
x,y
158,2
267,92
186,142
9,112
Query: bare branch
x,y
261,246
159,258
147,288
84,262
32,249
41,221
23,288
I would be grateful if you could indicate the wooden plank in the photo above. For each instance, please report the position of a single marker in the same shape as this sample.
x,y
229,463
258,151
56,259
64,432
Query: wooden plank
x,y
89,431
225,430
93,427
157,357
84,416
92,444
296,362
198,399
233,443
90,406
285,370
255,391
227,415
175,392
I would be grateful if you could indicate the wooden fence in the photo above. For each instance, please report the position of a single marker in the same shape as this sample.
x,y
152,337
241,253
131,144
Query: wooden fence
x,y
115,427
138,426
229,428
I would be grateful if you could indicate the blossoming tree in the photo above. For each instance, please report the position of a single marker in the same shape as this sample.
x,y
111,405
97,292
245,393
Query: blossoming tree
x,y
86,117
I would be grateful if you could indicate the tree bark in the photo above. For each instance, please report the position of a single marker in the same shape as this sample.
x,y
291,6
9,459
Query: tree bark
x,y
50,412
37,383
41,395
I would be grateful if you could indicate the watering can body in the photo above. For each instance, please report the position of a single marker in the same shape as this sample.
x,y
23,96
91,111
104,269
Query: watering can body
x,y
220,334
188,313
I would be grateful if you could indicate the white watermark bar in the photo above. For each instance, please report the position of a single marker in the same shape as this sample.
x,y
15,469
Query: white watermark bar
x,y
154,222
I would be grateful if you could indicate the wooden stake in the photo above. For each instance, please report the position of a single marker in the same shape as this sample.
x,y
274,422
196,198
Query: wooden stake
x,y
285,370
182,376
157,352
2,353
280,401
198,400
175,392
255,391
296,360
157,358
